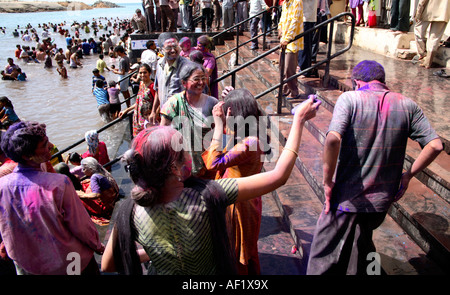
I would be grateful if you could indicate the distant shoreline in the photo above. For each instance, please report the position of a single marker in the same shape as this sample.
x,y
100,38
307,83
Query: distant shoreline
x,y
26,7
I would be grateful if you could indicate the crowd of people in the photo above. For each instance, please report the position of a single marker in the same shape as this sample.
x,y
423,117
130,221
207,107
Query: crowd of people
x,y
195,162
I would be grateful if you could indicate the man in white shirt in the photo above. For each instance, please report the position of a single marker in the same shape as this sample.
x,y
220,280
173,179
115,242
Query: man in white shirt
x,y
149,57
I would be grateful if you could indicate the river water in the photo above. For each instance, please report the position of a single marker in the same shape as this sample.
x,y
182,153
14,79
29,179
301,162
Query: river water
x,y
67,107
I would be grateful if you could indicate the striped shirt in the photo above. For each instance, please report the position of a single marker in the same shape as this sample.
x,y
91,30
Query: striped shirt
x,y
177,235
375,125
291,24
101,95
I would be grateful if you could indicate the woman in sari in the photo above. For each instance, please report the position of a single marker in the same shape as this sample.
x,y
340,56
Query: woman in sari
x,y
241,157
95,148
190,112
100,191
146,93
179,219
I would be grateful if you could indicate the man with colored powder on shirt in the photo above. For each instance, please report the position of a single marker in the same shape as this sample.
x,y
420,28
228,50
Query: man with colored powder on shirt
x,y
368,135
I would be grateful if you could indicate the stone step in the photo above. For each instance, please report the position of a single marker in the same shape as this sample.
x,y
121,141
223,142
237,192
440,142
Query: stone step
x,y
275,243
308,162
396,248
436,176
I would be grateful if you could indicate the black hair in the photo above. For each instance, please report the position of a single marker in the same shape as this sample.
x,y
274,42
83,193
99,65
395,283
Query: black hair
x,y
75,157
100,83
243,107
146,106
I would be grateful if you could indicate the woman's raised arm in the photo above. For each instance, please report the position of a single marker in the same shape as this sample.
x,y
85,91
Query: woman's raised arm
x,y
263,183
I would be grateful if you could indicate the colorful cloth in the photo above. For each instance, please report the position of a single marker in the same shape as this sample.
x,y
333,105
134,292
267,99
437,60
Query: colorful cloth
x,y
91,138
209,62
192,123
101,154
43,220
291,24
101,96
167,232
100,209
243,218
145,94
355,3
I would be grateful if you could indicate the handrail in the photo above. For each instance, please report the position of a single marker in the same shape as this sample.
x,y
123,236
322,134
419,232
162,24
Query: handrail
x,y
129,98
128,76
59,153
237,26
283,81
242,22
242,44
233,72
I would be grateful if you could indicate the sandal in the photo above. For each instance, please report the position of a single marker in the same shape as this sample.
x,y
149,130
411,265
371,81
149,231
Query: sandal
x,y
417,58
441,73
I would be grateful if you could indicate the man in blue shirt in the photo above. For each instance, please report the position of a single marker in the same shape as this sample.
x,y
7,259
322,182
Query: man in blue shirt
x,y
86,47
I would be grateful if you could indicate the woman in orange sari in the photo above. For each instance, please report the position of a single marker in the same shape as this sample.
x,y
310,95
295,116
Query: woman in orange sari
x,y
241,157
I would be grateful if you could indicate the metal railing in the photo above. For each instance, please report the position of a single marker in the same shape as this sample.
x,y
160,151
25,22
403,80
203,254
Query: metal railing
x,y
283,81
238,45
234,71
106,126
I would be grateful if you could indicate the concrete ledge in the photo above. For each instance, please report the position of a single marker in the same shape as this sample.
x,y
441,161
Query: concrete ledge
x,y
385,42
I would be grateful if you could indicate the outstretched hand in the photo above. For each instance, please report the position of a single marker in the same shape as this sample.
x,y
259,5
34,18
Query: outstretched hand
x,y
307,110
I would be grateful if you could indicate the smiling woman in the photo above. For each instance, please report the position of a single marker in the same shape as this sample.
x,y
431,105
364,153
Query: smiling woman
x,y
190,112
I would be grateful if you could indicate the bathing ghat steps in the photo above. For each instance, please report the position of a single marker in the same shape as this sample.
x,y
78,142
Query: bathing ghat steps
x,y
414,238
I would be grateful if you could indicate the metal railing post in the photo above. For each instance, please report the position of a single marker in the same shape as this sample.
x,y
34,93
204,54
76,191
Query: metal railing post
x,y
264,20
326,78
237,46
130,121
280,89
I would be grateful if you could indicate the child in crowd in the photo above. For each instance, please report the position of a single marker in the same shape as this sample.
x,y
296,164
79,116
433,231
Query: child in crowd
x,y
114,101
48,60
101,64
146,111
62,71
21,75
12,76
185,44
75,160
101,95
18,51
7,114
97,77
